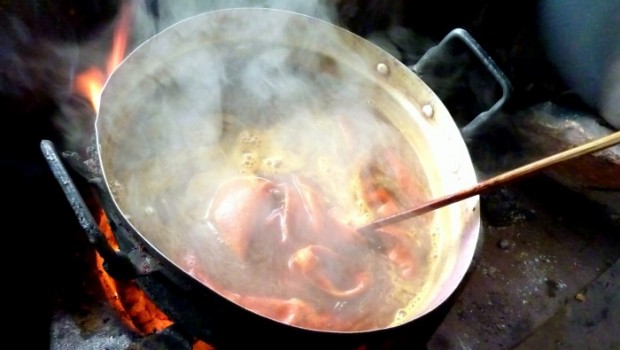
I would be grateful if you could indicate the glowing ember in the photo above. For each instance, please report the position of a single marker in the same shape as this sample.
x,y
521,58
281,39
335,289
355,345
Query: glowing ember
x,y
134,307
90,82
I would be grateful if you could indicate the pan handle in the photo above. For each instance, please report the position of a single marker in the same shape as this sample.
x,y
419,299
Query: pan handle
x,y
119,265
427,65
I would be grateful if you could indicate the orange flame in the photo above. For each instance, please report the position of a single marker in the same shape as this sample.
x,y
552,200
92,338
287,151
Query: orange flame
x,y
90,82
133,306
136,310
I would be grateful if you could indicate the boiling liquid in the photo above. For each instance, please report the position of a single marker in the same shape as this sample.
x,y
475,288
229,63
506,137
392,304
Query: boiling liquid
x,y
324,151
280,118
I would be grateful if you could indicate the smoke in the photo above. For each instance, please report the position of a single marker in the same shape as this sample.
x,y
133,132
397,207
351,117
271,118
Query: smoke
x,y
32,67
152,19
180,92
175,101
44,47
173,114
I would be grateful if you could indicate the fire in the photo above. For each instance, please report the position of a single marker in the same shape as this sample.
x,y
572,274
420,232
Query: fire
x,y
137,311
90,82
134,307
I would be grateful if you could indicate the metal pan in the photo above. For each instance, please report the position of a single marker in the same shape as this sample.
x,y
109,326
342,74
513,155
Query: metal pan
x,y
224,107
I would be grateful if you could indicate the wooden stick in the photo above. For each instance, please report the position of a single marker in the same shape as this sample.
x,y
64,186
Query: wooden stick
x,y
496,181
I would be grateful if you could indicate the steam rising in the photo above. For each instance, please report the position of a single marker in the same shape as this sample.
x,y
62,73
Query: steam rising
x,y
175,107
30,67
171,12
37,64
233,93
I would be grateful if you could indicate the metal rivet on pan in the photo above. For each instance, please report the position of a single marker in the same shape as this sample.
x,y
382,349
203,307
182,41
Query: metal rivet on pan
x,y
428,111
383,69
